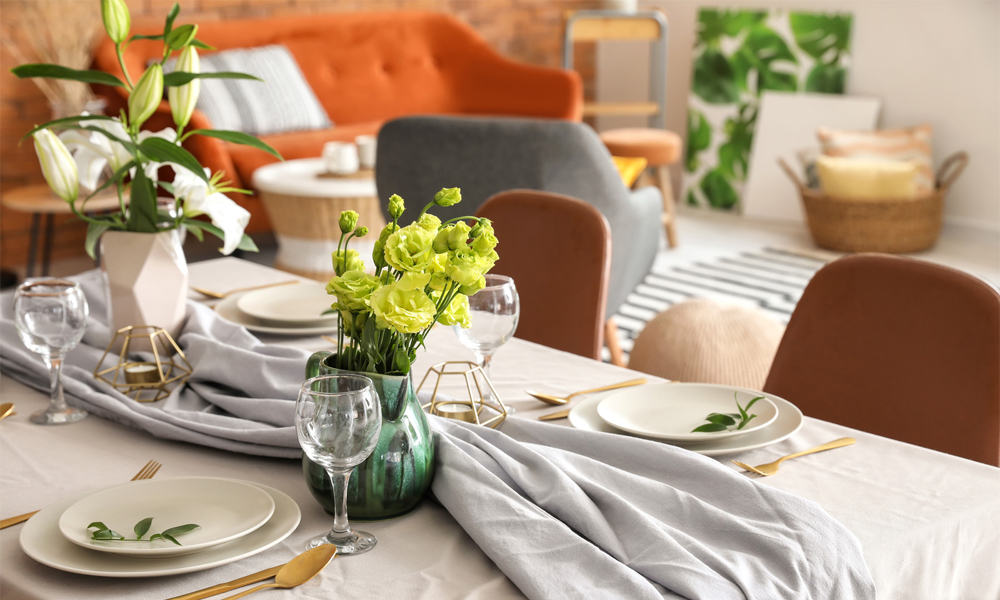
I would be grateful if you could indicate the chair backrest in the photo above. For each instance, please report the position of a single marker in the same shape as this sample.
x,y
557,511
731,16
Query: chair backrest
x,y
897,347
417,156
558,251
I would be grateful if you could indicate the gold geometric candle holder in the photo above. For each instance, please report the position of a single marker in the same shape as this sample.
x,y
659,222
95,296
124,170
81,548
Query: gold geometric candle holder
x,y
478,408
147,380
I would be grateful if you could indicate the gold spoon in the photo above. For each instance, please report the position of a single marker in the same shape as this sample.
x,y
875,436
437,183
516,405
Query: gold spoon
x,y
297,571
549,398
6,410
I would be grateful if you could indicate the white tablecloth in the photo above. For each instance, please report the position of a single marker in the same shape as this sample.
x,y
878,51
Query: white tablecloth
x,y
929,523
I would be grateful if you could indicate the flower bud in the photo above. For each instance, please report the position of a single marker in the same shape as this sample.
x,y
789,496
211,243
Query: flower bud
x,y
448,197
145,96
396,206
58,165
347,260
459,236
429,222
440,244
348,221
117,20
473,287
183,98
361,232
180,37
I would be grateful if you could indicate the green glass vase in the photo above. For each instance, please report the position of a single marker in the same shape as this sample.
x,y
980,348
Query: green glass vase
x,y
393,480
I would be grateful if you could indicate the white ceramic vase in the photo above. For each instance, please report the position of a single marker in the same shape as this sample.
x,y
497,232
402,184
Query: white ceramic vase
x,y
146,279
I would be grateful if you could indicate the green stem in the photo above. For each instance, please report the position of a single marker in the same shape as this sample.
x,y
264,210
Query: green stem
x,y
121,62
476,219
121,197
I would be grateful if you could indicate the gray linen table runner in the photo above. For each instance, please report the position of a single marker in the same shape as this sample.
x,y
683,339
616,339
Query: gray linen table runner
x,y
562,512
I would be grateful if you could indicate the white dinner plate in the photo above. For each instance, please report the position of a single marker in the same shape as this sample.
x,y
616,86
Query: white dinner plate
x,y
584,416
228,310
42,541
670,411
299,305
223,509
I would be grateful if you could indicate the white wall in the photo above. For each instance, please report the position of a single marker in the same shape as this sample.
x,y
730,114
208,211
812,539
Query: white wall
x,y
930,61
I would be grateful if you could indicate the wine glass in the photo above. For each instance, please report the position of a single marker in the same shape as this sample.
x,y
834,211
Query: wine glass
x,y
494,312
338,419
51,315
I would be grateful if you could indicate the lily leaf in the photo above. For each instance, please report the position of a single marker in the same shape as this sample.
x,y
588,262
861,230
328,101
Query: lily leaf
x,y
237,137
60,72
182,77
200,44
195,230
161,150
142,207
66,121
94,231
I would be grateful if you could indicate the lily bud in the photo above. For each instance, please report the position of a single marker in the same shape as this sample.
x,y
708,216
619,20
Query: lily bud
x,y
448,197
146,96
396,206
183,98
58,165
116,19
348,221
181,36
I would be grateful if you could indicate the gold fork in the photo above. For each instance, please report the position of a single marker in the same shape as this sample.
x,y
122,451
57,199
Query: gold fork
x,y
146,472
224,295
772,467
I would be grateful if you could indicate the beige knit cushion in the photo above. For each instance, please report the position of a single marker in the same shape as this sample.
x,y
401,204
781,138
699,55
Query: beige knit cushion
x,y
705,342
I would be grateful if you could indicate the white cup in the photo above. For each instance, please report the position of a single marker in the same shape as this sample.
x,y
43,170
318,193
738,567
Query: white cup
x,y
367,146
331,156
347,159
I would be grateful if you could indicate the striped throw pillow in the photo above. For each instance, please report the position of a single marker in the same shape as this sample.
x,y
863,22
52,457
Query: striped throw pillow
x,y
911,144
283,102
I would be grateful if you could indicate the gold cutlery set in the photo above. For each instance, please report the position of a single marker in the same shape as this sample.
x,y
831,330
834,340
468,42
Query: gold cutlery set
x,y
294,573
224,295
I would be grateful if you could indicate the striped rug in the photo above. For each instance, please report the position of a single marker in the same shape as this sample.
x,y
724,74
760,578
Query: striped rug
x,y
771,279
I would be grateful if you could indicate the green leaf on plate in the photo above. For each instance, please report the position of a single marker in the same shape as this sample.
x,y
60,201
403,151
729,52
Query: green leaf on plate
x,y
142,527
745,421
169,537
100,526
721,420
709,428
180,529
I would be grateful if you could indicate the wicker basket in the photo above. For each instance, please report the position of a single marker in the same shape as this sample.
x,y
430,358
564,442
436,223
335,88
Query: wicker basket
x,y
890,225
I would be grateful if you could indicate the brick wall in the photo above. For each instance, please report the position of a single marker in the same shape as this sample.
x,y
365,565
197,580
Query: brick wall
x,y
526,30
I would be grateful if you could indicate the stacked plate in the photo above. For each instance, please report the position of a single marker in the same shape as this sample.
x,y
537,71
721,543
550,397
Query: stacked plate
x,y
669,412
282,310
235,519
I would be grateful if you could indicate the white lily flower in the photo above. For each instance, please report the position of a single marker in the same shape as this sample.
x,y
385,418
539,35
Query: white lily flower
x,y
152,168
90,151
200,199
58,166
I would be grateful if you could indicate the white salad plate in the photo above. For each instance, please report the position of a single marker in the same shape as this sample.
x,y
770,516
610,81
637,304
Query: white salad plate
x,y
289,305
223,509
228,310
42,540
670,411
584,416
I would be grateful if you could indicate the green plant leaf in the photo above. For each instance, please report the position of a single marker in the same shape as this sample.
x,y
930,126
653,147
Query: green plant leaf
x,y
691,199
60,72
117,176
718,191
169,537
94,231
65,121
709,428
195,230
145,37
169,23
100,526
142,527
699,138
200,44
751,403
714,80
825,37
142,204
182,77
162,150
156,536
826,79
745,421
763,53
247,244
180,529
721,419
181,36
402,361
237,137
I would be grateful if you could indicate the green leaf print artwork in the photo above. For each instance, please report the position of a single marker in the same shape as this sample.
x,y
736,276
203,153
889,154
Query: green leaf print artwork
x,y
714,80
699,137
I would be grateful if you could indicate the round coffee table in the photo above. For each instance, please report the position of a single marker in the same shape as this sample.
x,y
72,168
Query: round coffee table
x,y
304,205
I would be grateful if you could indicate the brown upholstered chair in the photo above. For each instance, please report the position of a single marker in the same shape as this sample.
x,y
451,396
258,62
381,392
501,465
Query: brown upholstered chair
x,y
558,251
897,347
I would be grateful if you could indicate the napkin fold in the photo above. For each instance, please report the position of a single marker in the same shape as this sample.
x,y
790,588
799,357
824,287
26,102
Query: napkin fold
x,y
240,395
577,514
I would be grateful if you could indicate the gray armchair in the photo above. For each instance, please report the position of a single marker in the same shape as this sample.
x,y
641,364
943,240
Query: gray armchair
x,y
417,156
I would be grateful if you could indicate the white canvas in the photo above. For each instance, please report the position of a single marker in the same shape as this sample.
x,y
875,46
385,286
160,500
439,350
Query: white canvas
x,y
786,124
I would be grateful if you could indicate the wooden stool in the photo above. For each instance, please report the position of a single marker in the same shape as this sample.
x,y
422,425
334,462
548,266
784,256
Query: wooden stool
x,y
661,149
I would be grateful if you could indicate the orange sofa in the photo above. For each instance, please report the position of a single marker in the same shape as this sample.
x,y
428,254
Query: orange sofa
x,y
366,69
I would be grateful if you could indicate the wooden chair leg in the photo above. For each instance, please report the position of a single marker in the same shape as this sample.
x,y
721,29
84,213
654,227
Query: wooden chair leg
x,y
611,341
669,207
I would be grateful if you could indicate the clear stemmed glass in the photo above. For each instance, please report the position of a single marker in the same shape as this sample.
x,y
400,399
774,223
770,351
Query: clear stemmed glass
x,y
51,315
338,419
494,310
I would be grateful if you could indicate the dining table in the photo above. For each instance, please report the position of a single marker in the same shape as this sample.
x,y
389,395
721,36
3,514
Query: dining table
x,y
928,523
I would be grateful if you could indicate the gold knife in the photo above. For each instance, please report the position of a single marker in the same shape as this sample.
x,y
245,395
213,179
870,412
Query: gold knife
x,y
559,414
230,585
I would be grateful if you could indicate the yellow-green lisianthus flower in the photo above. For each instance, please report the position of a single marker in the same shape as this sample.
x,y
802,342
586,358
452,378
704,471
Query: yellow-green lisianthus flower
x,y
413,281
473,287
448,197
396,206
409,249
465,266
404,311
485,239
347,260
348,221
457,313
353,290
439,278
